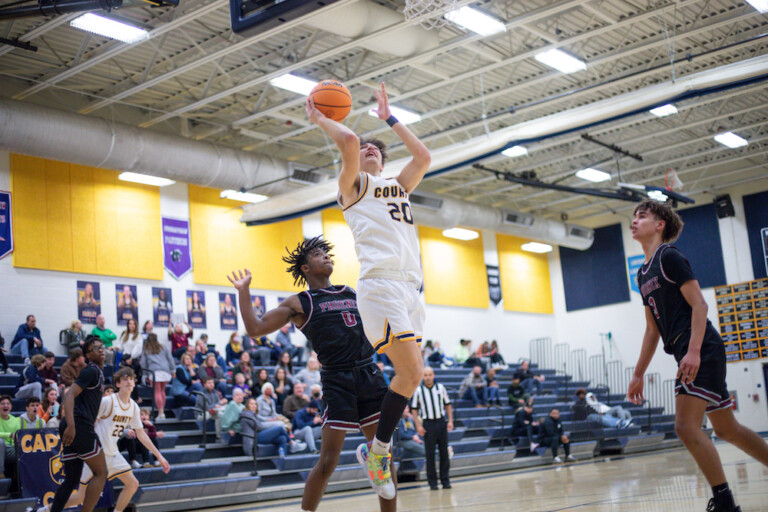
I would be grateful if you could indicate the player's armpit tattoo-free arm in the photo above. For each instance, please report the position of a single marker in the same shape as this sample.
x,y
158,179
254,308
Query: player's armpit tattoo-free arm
x,y
289,310
692,293
414,171
650,342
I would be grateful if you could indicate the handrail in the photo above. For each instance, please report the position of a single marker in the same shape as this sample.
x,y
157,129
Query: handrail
x,y
255,453
503,436
205,421
141,379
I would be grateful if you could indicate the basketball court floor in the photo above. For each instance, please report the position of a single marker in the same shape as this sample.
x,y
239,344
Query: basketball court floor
x,y
654,482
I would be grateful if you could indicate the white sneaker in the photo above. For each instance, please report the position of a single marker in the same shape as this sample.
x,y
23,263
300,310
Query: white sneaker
x,y
10,371
450,452
297,446
533,447
26,361
135,465
160,416
571,458
557,460
44,508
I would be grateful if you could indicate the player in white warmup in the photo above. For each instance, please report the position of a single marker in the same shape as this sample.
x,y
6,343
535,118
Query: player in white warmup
x,y
378,212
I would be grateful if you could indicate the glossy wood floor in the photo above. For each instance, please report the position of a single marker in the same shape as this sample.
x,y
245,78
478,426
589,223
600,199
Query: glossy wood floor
x,y
656,482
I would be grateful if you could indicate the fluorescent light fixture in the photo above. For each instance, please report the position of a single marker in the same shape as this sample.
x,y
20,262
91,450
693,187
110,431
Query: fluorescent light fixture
x,y
110,28
657,195
590,174
145,179
664,110
476,21
294,83
759,5
402,115
461,234
246,197
515,151
537,247
561,61
731,140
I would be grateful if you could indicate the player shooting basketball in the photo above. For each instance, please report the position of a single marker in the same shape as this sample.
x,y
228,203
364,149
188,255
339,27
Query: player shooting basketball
x,y
378,212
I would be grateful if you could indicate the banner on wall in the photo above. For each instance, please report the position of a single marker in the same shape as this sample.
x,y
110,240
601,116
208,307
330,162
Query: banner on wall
x,y
633,266
196,309
763,238
259,304
177,252
88,301
127,306
162,306
6,225
228,311
494,283
742,312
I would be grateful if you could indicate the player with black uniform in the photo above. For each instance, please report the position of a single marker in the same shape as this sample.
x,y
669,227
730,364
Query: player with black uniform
x,y
676,311
353,386
78,435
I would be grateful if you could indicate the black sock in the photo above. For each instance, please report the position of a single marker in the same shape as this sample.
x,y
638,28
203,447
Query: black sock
x,y
73,469
392,407
723,496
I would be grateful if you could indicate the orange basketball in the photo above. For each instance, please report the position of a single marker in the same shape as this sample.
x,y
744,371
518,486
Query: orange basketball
x,y
332,98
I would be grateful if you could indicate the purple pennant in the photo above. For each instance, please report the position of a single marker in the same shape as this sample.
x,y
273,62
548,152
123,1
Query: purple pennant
x,y
177,255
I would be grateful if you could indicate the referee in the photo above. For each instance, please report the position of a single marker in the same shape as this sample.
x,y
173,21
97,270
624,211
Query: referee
x,y
430,404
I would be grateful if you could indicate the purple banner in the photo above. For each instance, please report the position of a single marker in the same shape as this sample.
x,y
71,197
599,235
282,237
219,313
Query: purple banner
x,y
162,306
88,301
177,255
6,226
196,309
127,306
228,311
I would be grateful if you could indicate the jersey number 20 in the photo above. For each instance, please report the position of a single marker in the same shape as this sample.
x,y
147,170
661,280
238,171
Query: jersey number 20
x,y
400,212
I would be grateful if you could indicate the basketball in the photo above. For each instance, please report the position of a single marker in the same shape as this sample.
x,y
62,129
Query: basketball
x,y
333,99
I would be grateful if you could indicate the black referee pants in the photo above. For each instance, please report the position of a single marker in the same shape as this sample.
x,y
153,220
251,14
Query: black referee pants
x,y
436,435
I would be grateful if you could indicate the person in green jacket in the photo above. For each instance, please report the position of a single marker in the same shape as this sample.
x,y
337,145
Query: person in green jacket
x,y
230,418
8,426
107,337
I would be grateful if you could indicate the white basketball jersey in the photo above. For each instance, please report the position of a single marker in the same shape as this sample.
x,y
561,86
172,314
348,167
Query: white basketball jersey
x,y
114,417
381,221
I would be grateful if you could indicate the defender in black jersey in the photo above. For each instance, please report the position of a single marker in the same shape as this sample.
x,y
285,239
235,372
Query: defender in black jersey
x,y
353,386
676,311
78,436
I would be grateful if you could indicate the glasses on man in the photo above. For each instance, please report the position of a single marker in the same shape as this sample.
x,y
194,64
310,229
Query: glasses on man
x,y
97,347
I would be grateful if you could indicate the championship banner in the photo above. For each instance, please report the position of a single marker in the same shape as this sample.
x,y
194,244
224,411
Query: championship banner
x,y
40,468
6,225
88,301
196,309
127,307
633,265
177,253
259,303
228,311
742,312
162,306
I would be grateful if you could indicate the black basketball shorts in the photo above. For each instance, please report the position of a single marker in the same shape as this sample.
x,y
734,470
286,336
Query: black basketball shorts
x,y
352,397
85,445
709,384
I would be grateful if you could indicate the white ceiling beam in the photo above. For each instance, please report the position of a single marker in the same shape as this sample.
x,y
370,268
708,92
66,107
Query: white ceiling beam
x,y
40,30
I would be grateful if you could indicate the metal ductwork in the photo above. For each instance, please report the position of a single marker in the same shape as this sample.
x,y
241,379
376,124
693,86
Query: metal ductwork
x,y
58,135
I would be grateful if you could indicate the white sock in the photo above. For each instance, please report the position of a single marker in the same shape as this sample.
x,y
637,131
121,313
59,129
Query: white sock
x,y
380,448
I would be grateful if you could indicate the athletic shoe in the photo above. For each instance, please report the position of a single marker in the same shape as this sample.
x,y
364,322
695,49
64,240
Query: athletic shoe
x,y
135,465
379,474
26,361
712,507
557,460
10,371
450,451
571,458
533,447
160,416
434,488
297,446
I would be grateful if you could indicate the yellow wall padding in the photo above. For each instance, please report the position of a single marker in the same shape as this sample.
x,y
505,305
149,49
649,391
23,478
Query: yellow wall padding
x,y
221,243
346,268
74,218
525,284
454,270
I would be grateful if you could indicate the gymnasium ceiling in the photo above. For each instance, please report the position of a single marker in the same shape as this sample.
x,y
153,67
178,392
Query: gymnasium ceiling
x,y
196,78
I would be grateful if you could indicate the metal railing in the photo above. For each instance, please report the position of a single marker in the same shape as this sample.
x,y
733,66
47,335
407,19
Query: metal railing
x,y
203,444
668,395
596,370
578,364
150,374
561,358
255,453
503,425
653,389
615,372
541,352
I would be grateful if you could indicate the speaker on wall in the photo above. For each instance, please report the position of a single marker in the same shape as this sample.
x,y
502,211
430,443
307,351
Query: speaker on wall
x,y
724,206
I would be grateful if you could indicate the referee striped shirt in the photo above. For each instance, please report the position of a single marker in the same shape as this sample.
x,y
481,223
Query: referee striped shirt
x,y
430,402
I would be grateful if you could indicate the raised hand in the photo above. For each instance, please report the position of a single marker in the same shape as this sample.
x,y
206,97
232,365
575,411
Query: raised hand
x,y
240,280
383,109
313,114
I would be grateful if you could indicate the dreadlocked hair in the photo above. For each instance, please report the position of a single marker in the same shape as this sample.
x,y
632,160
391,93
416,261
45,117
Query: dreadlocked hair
x,y
298,257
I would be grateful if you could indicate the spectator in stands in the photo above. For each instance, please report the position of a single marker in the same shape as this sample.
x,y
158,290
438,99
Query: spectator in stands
x,y
186,382
552,435
72,366
497,361
55,421
435,357
310,375
75,335
483,353
132,345
525,426
31,382
241,384
107,337
48,371
3,360
492,388
587,407
297,401
283,385
211,401
253,426
473,387
211,370
179,339
28,340
148,329
262,377
157,359
260,350
286,364
408,439
234,349
516,395
49,408
202,350
230,416
307,425
316,392
463,352
283,341
528,379
245,368
31,418
268,415
9,424
384,374
152,433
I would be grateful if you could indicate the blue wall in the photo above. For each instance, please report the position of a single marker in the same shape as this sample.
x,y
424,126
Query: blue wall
x,y
700,243
756,212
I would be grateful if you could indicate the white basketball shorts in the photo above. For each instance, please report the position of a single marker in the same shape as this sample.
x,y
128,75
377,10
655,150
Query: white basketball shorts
x,y
116,466
391,311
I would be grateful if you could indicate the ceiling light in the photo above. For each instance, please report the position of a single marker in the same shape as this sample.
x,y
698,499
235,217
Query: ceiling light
x,y
144,179
246,197
402,115
590,174
657,195
536,247
664,110
561,61
110,28
476,21
760,5
294,83
731,140
461,234
515,151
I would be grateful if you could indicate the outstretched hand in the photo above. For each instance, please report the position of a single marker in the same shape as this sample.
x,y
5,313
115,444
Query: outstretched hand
x,y
313,114
383,109
239,280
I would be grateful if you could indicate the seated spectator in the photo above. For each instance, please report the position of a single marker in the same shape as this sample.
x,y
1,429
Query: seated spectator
x,y
262,377
612,417
31,382
268,407
407,438
75,335
211,401
524,426
55,420
496,360
284,362
492,388
242,385
202,350
483,353
265,350
316,392
258,353
148,329
9,424
463,352
28,340
132,345
384,374
49,372
179,339
72,366
283,385
307,424
107,337
234,349
211,370
49,408
436,357
310,375
3,360
31,418
264,432
186,382
297,401
529,380
552,435
129,443
230,417
516,395
473,387
158,359
244,368
283,342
